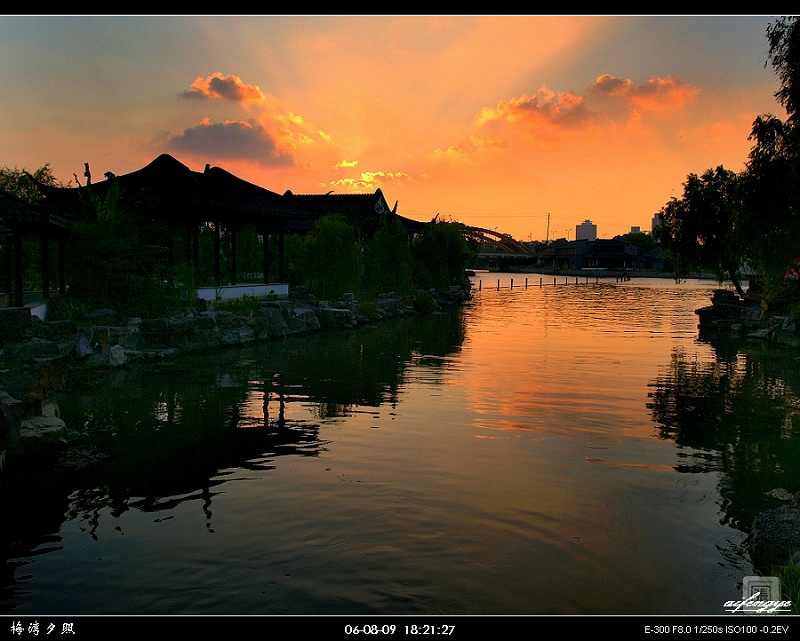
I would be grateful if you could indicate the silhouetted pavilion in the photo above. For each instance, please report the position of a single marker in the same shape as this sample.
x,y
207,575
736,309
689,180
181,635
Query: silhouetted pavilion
x,y
19,220
168,192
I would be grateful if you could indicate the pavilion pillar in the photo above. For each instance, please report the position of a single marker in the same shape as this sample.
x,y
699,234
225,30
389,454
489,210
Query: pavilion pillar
x,y
265,254
62,272
45,241
9,281
195,259
171,253
217,279
281,236
233,255
19,297
188,237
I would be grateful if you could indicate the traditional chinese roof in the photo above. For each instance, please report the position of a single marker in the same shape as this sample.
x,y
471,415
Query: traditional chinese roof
x,y
168,188
19,214
361,209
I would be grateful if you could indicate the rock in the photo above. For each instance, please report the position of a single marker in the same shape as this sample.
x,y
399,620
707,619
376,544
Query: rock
x,y
16,324
775,538
42,427
116,355
82,347
781,494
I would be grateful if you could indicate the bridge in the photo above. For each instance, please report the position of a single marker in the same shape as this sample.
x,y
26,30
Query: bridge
x,y
503,244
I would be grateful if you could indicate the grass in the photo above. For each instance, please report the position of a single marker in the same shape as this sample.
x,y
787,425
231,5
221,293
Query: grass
x,y
790,585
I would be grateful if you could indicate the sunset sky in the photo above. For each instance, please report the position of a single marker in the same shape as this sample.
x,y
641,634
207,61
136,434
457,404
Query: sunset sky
x,y
495,121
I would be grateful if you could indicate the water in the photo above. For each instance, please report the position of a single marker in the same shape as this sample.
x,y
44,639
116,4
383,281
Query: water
x,y
569,449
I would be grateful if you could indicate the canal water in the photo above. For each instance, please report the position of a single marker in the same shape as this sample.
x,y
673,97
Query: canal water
x,y
567,448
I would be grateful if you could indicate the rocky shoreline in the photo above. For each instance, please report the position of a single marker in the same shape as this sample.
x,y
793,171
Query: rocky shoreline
x,y
37,358
774,539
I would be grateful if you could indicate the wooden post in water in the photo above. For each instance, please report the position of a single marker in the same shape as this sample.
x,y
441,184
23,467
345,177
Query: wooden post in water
x,y
554,281
526,283
498,284
512,283
540,283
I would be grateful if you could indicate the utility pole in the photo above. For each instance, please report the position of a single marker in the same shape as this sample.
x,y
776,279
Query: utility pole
x,y
547,238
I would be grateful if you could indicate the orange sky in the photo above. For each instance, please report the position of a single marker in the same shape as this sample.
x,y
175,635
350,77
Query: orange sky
x,y
496,121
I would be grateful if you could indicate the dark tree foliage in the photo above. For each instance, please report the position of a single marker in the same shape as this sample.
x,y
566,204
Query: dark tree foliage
x,y
388,259
723,221
18,182
110,264
770,185
332,258
699,229
784,54
441,254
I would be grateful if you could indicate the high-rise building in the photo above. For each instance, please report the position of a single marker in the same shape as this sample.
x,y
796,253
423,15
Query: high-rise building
x,y
656,222
586,230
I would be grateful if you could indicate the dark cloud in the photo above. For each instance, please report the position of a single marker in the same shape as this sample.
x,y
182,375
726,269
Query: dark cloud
x,y
232,141
564,109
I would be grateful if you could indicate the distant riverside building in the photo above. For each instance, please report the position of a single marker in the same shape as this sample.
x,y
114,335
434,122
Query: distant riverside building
x,y
636,229
655,223
586,230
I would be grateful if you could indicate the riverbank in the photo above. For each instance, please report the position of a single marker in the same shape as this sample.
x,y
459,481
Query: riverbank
x,y
38,358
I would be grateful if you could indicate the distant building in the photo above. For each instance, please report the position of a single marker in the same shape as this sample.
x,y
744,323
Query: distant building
x,y
636,230
586,230
655,223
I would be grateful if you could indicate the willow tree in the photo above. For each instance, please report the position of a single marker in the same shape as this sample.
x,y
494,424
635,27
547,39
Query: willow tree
x,y
699,230
770,219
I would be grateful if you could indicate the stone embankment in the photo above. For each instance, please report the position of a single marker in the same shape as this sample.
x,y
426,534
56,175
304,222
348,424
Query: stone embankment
x,y
774,540
729,315
37,358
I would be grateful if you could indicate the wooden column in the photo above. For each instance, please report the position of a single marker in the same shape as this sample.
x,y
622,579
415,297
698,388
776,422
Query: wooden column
x,y
19,296
217,279
7,249
265,254
62,272
196,253
45,241
281,236
233,255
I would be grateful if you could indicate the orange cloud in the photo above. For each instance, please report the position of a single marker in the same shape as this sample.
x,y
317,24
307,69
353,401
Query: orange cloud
x,y
546,107
217,86
659,94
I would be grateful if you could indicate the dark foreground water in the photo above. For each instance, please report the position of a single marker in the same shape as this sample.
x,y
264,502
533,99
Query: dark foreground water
x,y
546,450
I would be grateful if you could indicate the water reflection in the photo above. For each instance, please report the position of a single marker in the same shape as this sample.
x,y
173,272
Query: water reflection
x,y
577,443
158,436
736,415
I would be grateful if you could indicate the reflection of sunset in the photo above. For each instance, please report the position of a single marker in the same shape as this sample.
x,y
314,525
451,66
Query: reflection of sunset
x,y
584,361
576,449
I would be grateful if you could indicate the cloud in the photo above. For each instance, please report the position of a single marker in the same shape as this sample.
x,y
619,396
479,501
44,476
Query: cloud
x,y
371,180
345,164
546,107
544,120
217,86
232,140
657,95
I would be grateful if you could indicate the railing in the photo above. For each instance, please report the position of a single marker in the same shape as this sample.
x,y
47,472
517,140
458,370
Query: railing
x,y
619,278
